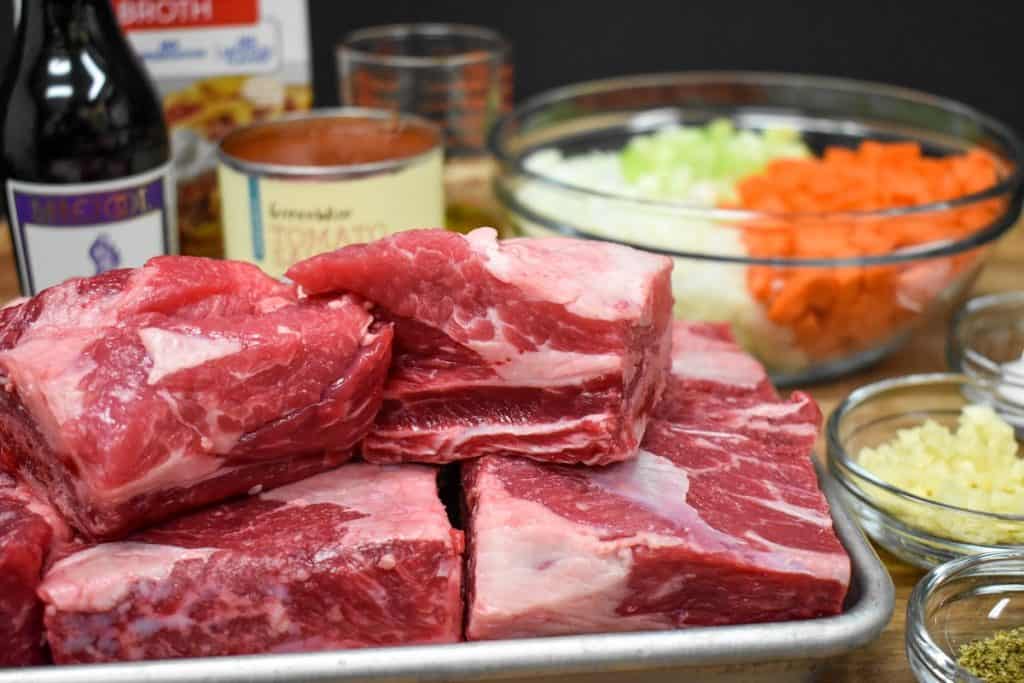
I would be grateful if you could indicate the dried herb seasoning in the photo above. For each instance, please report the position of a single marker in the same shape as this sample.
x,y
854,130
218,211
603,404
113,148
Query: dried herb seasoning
x,y
996,659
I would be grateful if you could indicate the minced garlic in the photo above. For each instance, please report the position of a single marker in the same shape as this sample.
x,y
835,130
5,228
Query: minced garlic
x,y
975,467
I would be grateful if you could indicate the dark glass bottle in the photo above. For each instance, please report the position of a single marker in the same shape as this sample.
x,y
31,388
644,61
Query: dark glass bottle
x,y
83,145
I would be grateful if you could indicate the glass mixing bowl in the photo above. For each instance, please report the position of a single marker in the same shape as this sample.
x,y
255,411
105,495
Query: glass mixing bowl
x,y
807,318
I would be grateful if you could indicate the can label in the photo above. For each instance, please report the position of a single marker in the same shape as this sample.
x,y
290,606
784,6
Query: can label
x,y
274,222
83,229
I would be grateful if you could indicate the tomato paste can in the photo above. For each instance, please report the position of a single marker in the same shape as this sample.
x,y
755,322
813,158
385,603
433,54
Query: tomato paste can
x,y
309,183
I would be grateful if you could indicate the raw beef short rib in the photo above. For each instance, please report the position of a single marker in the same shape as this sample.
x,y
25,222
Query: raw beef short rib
x,y
706,359
360,556
137,394
28,528
554,349
719,519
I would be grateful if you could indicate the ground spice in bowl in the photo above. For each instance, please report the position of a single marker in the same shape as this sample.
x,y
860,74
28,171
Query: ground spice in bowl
x,y
996,659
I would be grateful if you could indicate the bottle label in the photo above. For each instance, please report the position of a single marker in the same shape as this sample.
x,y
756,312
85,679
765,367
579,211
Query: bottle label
x,y
83,229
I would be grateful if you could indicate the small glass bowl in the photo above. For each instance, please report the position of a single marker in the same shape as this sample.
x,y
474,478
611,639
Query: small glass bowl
x,y
960,602
923,532
986,334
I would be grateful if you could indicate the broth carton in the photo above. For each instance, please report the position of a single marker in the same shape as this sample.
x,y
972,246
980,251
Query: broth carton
x,y
219,65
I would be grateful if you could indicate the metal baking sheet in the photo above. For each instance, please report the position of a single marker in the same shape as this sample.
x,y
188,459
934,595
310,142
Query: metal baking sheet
x,y
795,650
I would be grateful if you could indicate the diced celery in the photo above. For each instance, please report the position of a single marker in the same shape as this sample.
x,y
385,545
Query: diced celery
x,y
676,160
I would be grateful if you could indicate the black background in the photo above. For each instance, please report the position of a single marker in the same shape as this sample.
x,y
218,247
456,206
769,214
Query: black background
x,y
972,52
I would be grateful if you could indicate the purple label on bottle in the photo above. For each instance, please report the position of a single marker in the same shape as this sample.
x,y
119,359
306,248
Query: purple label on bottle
x,y
89,209
84,229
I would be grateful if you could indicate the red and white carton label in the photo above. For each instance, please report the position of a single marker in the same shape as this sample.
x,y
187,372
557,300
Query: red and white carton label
x,y
141,15
181,39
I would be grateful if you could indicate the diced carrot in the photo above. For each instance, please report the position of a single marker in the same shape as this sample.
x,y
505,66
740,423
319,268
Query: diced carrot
x,y
789,304
847,309
760,281
807,326
848,287
820,291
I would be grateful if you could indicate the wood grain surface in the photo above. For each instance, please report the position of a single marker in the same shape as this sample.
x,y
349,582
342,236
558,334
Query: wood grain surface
x,y
885,659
